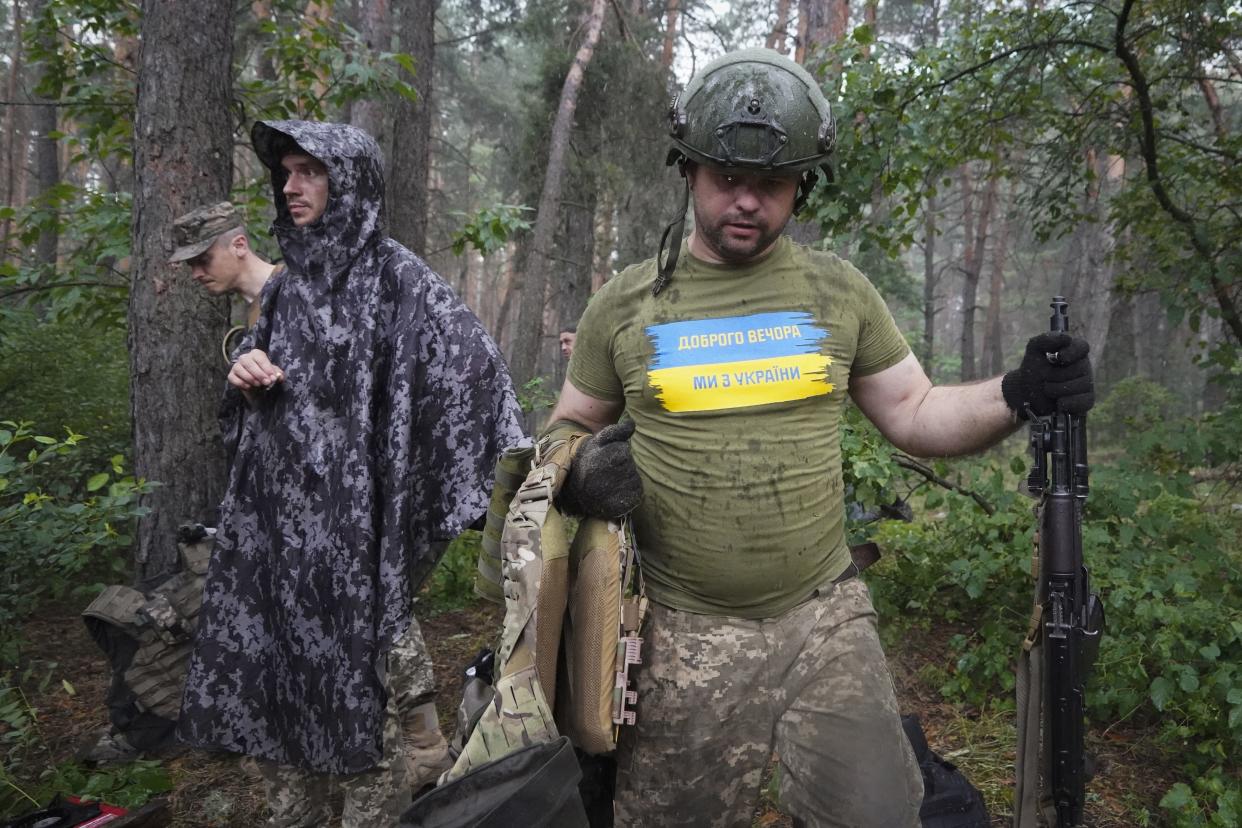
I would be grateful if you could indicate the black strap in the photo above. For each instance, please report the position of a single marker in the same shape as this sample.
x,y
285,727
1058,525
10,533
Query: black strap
x,y
675,227
861,557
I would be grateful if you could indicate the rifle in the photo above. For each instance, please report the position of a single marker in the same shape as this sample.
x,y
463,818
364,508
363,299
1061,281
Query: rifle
x,y
1071,617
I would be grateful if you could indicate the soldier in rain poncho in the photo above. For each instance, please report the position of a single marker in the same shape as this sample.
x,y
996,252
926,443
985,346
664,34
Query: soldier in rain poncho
x,y
376,445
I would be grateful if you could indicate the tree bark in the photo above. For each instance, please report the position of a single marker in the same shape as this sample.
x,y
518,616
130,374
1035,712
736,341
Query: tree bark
x,y
670,33
14,159
182,159
929,284
976,237
993,346
538,263
372,115
46,157
411,145
780,29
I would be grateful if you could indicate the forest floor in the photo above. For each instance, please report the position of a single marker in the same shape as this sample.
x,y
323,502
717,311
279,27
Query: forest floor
x,y
210,791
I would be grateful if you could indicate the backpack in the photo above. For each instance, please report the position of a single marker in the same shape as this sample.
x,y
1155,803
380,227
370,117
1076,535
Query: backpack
x,y
949,800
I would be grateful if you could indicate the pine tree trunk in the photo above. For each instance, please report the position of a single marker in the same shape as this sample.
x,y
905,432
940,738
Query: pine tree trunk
x,y
929,285
993,346
976,243
373,115
411,145
538,261
46,156
670,33
780,29
14,129
183,147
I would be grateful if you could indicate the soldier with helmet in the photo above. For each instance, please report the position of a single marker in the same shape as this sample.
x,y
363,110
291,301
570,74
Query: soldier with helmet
x,y
732,364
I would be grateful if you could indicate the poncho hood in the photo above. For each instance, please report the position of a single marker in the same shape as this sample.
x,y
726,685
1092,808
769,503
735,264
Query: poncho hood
x,y
354,217
377,448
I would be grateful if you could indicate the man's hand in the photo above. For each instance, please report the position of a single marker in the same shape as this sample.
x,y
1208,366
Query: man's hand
x,y
254,371
1055,375
603,481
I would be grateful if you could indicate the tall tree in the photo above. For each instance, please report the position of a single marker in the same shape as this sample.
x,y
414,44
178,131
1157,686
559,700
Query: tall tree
x,y
371,114
670,32
411,144
538,260
975,241
14,130
183,146
46,154
993,346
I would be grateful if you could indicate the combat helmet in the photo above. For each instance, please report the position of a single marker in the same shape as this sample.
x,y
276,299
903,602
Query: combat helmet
x,y
752,110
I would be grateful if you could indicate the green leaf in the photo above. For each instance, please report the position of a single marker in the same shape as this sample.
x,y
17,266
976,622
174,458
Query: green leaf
x,y
1188,680
69,688
47,441
97,482
1159,691
1178,798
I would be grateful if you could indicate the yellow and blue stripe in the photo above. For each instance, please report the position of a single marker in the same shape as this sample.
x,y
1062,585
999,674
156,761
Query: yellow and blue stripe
x,y
738,361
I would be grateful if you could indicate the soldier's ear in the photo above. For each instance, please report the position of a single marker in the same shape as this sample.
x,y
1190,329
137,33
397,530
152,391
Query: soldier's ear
x,y
240,245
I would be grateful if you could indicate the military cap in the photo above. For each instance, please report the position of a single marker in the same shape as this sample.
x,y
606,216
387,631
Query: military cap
x,y
198,229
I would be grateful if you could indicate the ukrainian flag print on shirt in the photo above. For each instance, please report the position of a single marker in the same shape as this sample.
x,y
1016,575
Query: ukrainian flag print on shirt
x,y
738,361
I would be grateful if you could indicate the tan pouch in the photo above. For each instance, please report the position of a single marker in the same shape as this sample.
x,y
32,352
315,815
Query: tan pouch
x,y
603,620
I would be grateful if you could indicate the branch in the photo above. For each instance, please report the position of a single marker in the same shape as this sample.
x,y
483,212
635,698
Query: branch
x,y
54,286
61,103
913,465
1147,145
625,30
1029,47
455,40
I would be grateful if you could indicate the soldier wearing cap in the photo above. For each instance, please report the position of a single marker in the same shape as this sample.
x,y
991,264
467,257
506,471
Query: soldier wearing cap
x,y
213,243
378,406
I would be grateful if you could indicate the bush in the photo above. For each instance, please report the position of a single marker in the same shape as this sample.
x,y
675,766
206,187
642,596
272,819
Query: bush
x,y
450,585
56,533
1168,564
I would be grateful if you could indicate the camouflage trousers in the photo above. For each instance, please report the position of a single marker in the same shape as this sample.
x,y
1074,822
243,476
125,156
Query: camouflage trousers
x,y
717,695
299,798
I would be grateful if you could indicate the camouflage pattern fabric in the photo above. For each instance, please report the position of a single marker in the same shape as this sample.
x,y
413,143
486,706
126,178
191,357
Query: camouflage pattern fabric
x,y
535,571
517,716
410,674
716,695
300,799
380,442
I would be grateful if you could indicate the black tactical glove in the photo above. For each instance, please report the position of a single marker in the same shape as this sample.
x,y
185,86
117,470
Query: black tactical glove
x,y
1055,375
603,481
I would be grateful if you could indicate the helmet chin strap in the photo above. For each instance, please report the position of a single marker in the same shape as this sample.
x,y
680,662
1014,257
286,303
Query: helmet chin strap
x,y
666,266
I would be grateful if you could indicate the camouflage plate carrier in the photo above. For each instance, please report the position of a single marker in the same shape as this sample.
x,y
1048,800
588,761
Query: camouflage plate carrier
x,y
147,638
594,586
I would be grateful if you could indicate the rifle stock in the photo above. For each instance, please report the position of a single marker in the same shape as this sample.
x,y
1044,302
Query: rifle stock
x,y
1073,616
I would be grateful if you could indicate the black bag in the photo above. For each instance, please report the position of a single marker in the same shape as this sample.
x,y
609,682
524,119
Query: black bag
x,y
949,800
535,787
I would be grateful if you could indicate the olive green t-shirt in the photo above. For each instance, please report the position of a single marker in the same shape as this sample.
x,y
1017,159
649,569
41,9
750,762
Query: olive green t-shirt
x,y
735,377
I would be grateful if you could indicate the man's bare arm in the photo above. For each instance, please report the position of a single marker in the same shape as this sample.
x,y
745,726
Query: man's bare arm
x,y
933,421
582,408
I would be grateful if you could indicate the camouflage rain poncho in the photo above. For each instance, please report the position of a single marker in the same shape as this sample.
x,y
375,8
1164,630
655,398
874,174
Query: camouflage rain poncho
x,y
380,442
